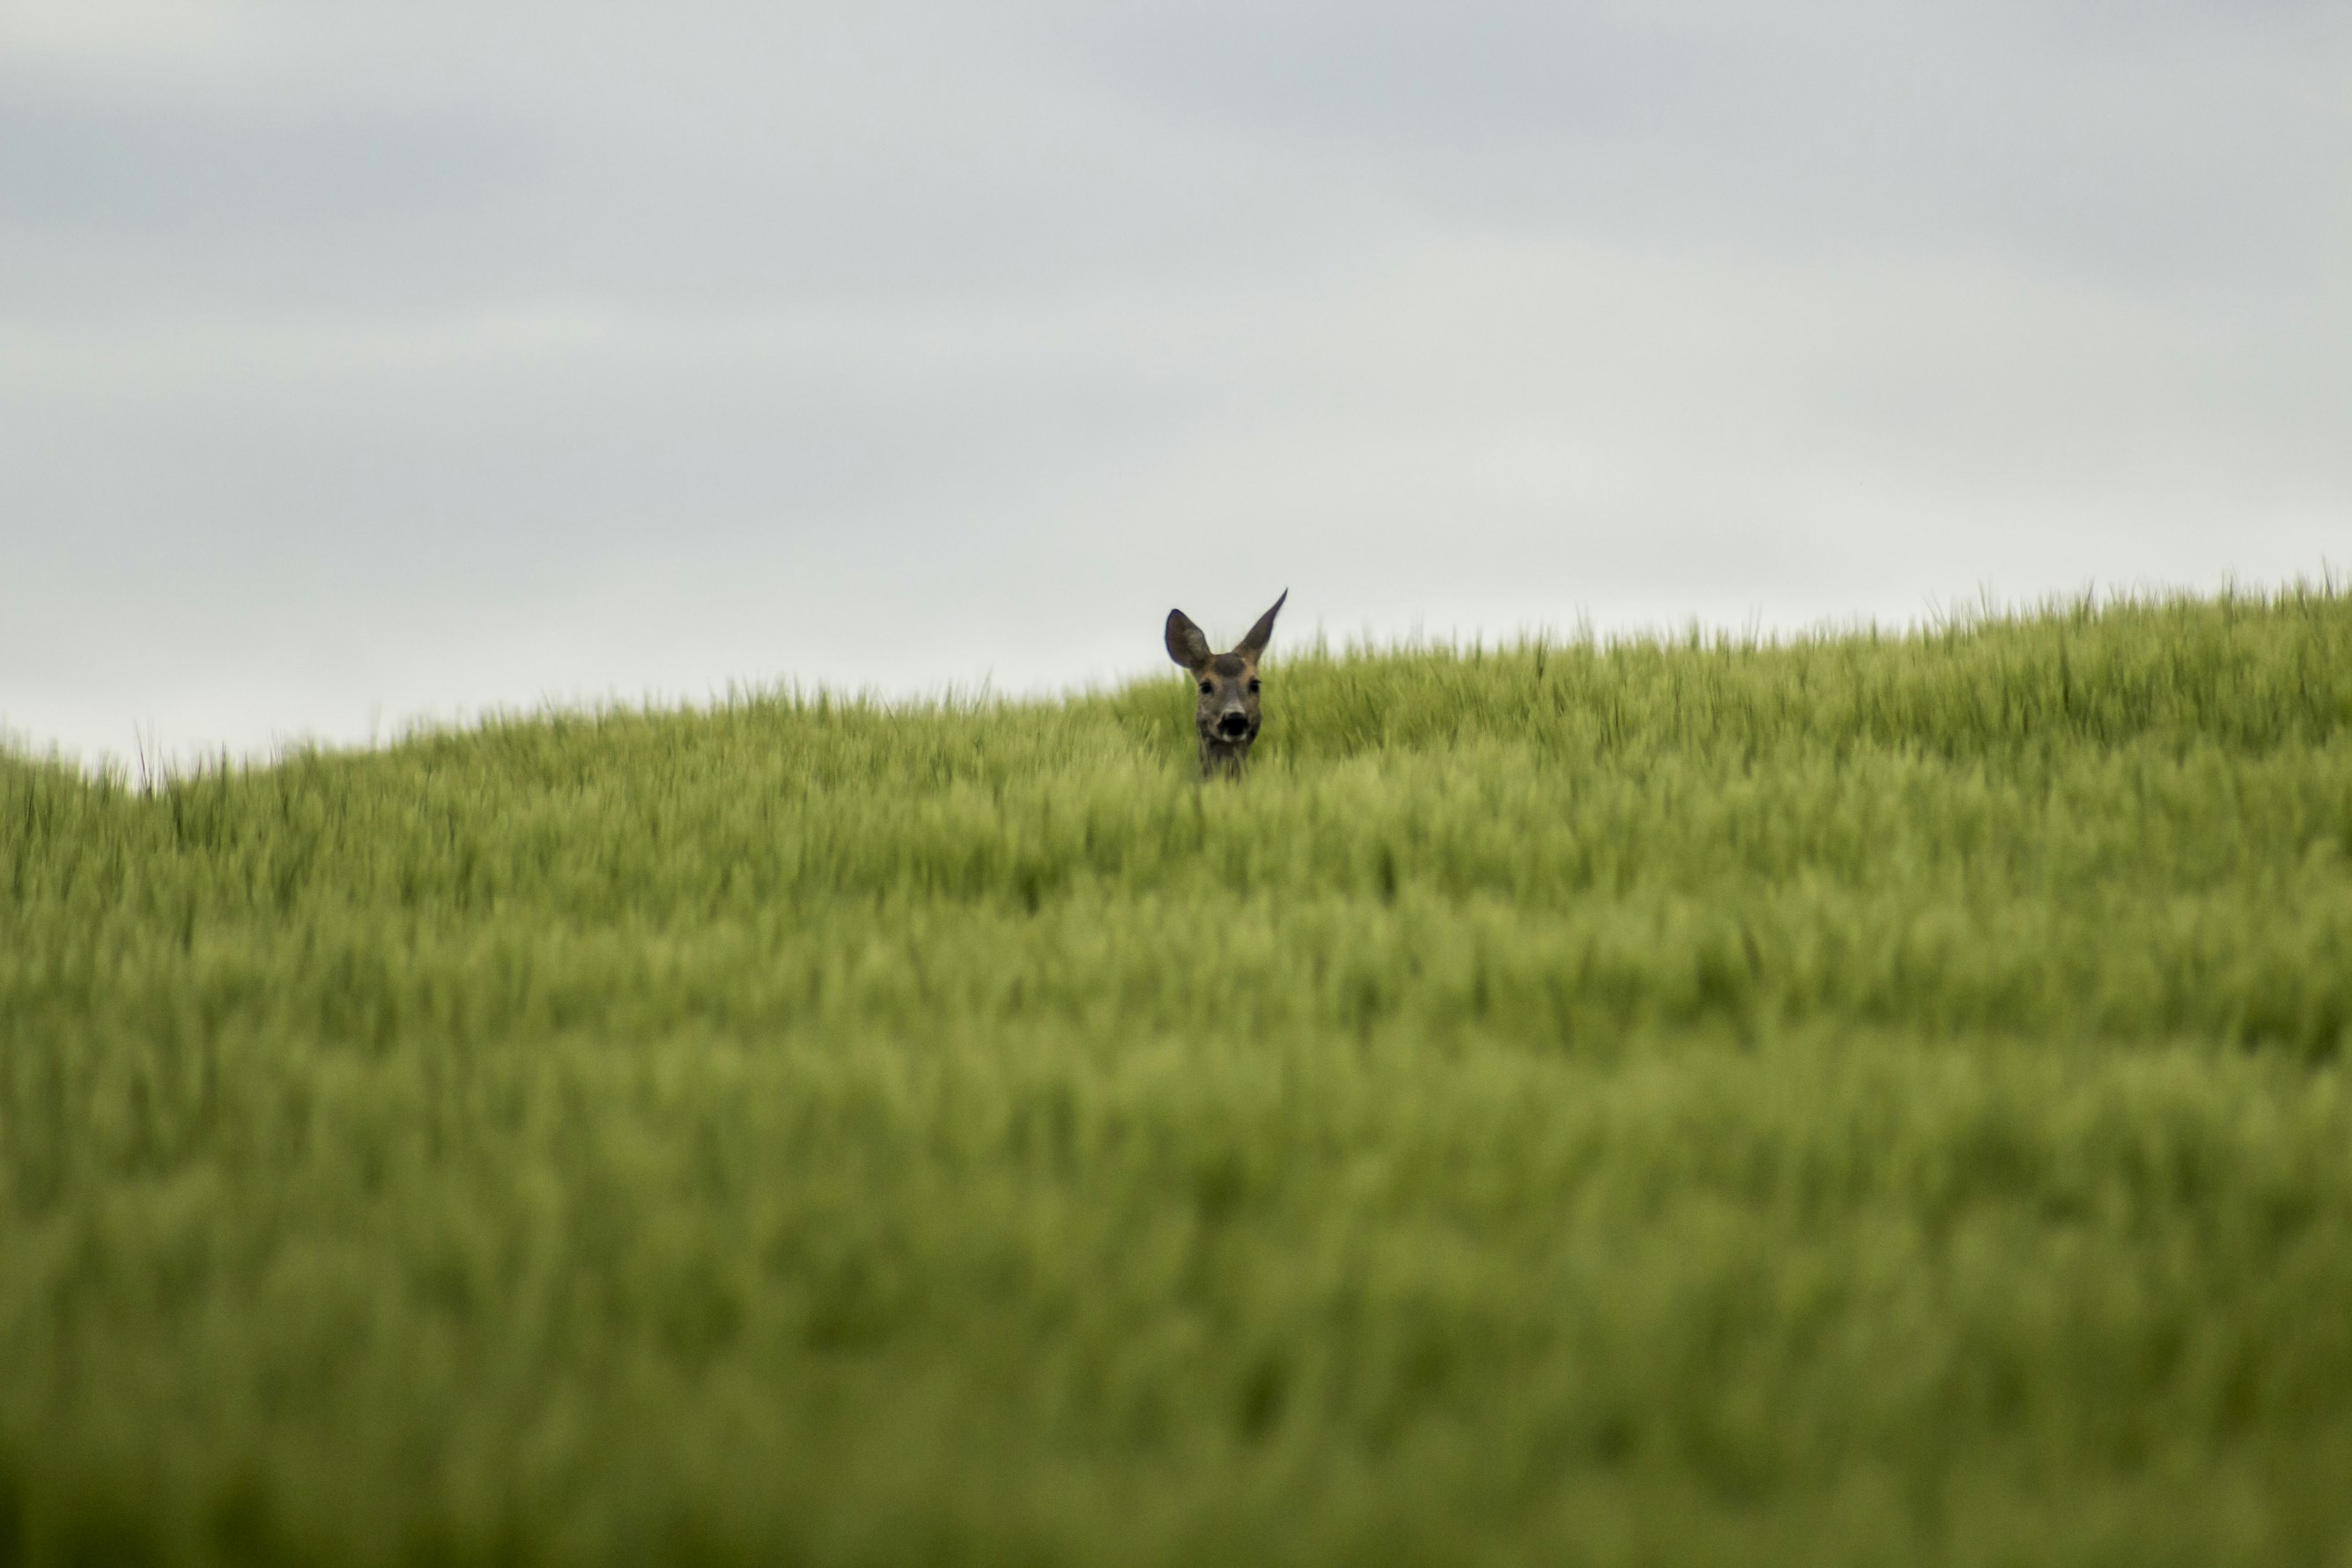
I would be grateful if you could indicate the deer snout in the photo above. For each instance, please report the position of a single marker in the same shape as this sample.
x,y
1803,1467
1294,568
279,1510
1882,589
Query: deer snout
x,y
1232,724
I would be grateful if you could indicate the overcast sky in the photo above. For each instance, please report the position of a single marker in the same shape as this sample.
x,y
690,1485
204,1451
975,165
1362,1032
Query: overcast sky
x,y
370,362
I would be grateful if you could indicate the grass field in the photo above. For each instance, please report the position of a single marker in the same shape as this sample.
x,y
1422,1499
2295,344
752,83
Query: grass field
x,y
1875,1099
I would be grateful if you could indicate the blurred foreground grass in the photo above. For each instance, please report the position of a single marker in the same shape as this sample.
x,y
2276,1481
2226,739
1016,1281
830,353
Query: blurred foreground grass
x,y
1880,1099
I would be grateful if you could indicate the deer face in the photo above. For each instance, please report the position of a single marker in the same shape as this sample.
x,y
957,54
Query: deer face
x,y
1228,709
1227,714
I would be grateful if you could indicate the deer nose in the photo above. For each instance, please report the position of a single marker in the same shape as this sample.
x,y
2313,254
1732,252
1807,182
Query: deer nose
x,y
1233,724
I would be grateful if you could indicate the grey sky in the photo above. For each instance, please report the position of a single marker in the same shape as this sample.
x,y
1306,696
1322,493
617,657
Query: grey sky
x,y
376,360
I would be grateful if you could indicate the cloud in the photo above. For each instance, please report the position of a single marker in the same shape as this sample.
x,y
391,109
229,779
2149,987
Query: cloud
x,y
2191,146
416,358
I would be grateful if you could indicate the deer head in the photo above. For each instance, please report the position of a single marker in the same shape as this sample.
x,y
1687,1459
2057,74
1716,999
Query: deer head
x,y
1227,714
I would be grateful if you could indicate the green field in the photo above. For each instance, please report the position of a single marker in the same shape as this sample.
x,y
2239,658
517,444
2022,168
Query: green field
x,y
1874,1099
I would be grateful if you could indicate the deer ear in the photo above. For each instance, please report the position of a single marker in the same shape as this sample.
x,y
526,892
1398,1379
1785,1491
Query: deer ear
x,y
1186,645
1262,633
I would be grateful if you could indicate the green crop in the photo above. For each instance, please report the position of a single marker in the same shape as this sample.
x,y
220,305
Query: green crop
x,y
1876,1099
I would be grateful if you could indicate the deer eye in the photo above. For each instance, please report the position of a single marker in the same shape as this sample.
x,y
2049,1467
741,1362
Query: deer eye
x,y
1253,686
1208,687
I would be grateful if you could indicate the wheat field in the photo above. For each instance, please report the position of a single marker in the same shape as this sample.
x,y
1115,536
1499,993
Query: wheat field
x,y
1874,1097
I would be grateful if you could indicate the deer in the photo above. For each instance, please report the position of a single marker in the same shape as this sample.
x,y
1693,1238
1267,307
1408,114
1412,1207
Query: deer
x,y
1227,715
